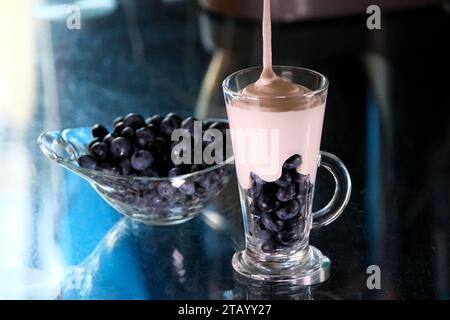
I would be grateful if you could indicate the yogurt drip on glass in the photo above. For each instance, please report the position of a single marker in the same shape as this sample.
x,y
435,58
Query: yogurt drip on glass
x,y
269,84
273,104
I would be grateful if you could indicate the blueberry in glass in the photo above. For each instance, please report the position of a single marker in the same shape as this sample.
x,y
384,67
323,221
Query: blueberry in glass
x,y
278,209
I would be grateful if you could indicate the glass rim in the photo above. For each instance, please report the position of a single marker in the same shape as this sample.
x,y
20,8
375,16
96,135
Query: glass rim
x,y
90,173
228,91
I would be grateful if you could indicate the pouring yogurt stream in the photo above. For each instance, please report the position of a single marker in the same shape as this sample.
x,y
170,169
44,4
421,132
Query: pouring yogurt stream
x,y
267,130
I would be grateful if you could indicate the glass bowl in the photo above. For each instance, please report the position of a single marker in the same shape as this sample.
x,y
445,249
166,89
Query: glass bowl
x,y
137,197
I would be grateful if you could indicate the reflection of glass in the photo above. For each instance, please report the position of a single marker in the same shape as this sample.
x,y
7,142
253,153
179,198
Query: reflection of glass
x,y
78,279
247,289
278,214
139,261
183,261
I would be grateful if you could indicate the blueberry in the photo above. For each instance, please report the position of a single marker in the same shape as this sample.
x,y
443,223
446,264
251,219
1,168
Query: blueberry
x,y
286,238
155,120
141,160
253,192
295,224
293,162
144,137
261,234
284,180
94,141
269,246
295,176
100,150
154,128
290,210
99,131
269,189
125,165
127,132
188,124
170,123
286,193
120,148
165,189
278,204
179,197
270,224
88,162
254,210
108,138
164,143
118,128
257,179
117,120
265,204
133,120
154,199
187,188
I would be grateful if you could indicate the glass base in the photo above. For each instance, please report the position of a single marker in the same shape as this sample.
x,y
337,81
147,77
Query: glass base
x,y
311,267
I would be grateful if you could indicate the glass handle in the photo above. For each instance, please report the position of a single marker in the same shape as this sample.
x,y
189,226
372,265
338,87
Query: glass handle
x,y
342,192
55,147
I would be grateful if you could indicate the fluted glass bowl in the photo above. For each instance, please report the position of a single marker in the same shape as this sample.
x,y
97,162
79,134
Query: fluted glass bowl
x,y
135,196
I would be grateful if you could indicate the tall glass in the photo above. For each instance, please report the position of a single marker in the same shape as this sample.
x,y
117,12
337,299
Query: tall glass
x,y
276,144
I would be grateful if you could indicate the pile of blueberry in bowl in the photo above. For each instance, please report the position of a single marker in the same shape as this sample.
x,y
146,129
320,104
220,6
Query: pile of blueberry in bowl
x,y
131,164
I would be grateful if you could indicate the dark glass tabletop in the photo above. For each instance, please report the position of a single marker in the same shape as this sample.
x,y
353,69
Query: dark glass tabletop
x,y
387,118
